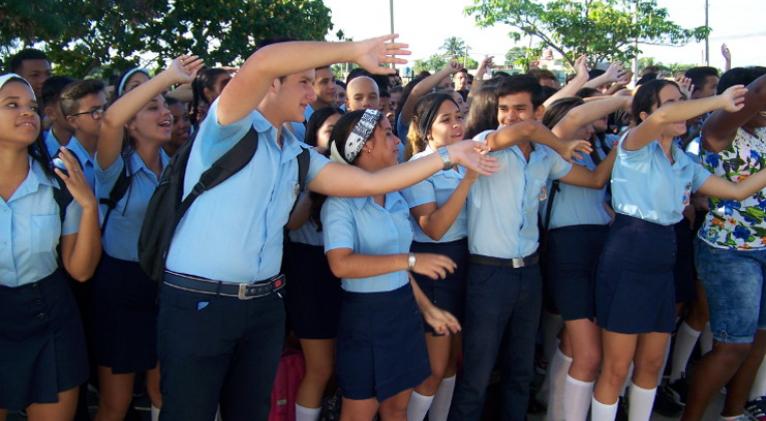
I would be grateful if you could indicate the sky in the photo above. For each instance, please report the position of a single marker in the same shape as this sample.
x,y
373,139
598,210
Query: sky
x,y
425,24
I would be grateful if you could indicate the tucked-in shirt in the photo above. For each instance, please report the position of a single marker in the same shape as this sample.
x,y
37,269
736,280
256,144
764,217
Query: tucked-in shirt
x,y
647,186
437,189
120,236
502,208
367,228
30,229
733,224
575,205
234,232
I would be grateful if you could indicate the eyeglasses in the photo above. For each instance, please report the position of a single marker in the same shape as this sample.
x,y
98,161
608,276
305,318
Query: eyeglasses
x,y
94,114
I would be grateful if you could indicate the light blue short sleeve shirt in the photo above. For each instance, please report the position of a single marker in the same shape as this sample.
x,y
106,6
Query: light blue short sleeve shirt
x,y
437,189
502,208
575,205
367,228
120,236
30,229
234,232
647,186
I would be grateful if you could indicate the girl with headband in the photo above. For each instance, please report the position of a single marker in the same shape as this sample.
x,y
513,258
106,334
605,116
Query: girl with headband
x,y
129,79
123,298
381,351
42,347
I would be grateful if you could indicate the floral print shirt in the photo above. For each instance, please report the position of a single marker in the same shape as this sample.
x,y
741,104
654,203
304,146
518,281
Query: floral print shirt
x,y
733,224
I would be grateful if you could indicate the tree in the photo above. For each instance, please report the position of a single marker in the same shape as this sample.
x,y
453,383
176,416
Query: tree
x,y
454,47
603,29
432,64
111,33
522,57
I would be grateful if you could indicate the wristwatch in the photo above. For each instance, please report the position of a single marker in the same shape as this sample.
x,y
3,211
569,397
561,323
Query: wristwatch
x,y
444,155
411,261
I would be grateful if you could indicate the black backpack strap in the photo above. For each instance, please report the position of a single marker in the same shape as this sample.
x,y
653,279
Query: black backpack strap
x,y
549,206
116,194
304,160
227,165
63,198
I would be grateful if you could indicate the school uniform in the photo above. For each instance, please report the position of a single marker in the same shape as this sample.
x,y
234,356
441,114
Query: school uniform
x,y
123,297
42,345
448,293
213,346
576,232
635,279
381,350
313,292
86,161
504,291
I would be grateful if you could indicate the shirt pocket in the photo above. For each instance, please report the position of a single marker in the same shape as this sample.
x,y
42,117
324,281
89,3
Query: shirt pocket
x,y
45,231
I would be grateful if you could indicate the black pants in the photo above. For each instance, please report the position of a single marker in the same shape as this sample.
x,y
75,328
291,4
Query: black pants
x,y
215,350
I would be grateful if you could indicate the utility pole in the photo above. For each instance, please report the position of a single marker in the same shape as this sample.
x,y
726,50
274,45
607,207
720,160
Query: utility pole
x,y
707,37
635,44
391,12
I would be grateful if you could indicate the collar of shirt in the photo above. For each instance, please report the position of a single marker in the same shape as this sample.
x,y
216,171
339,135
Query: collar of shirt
x,y
290,144
137,163
36,177
392,199
80,152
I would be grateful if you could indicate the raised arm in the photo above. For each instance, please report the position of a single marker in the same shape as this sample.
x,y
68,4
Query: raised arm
x,y
725,189
424,87
574,85
615,72
588,113
182,70
721,127
478,78
535,131
732,100
250,85
726,57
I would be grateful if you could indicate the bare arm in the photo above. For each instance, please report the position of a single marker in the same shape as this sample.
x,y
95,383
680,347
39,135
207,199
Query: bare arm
x,y
725,189
301,213
534,131
478,79
252,82
436,221
424,87
721,127
651,128
588,113
574,85
183,69
344,263
613,73
583,177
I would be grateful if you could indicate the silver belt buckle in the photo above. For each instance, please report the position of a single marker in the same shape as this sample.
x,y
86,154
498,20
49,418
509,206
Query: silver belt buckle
x,y
242,293
518,262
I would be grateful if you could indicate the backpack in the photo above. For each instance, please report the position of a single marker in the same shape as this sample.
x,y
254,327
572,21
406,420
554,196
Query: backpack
x,y
166,207
117,193
284,393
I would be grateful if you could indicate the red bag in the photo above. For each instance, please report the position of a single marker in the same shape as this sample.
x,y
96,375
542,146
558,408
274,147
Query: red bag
x,y
290,373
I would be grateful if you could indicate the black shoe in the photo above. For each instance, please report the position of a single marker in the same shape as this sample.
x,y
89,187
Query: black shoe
x,y
622,409
666,404
680,390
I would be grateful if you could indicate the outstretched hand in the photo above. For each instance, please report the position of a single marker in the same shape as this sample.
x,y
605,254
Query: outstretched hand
x,y
473,156
184,68
581,66
733,98
686,86
374,52
574,150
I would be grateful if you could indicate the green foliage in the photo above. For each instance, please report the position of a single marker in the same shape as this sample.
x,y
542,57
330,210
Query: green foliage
x,y
603,29
431,64
452,48
522,57
83,37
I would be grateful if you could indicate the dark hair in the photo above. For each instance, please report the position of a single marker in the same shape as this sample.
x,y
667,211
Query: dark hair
x,y
594,73
169,100
423,118
740,76
396,90
547,92
316,121
205,79
698,75
384,93
522,84
588,92
340,83
52,88
355,73
648,96
556,111
122,79
647,77
70,97
17,60
541,74
406,91
482,114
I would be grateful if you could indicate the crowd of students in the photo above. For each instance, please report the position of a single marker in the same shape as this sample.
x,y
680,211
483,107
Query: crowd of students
x,y
415,239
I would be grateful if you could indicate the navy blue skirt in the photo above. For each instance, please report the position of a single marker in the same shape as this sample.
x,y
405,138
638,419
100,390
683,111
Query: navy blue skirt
x,y
448,293
312,292
381,350
571,260
42,345
635,279
124,310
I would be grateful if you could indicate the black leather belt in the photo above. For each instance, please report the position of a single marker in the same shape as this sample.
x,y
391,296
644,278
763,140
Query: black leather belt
x,y
516,262
243,291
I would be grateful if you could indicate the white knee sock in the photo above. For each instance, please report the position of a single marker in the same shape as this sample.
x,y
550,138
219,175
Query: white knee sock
x,y
155,413
306,414
601,411
758,388
418,406
628,380
442,400
686,338
641,402
661,373
577,398
706,339
557,369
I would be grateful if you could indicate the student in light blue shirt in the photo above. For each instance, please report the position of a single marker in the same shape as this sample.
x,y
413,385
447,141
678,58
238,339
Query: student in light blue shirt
x,y
83,104
381,349
123,298
59,131
225,256
652,182
42,350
